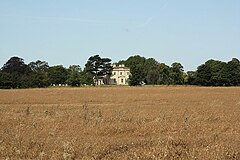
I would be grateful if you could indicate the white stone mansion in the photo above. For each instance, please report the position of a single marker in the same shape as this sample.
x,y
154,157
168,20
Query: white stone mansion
x,y
120,75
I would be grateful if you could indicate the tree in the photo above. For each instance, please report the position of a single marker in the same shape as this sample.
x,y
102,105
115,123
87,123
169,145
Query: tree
x,y
164,74
136,78
5,81
39,66
121,62
40,73
138,72
177,74
14,65
233,72
152,77
74,68
151,70
106,70
99,68
86,78
15,69
203,75
74,75
58,74
191,77
217,68
213,73
93,66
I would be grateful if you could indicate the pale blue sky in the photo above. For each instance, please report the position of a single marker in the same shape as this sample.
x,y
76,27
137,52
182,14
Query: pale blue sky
x,y
69,31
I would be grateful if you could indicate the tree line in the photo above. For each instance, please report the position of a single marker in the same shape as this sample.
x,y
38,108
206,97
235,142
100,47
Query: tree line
x,y
16,74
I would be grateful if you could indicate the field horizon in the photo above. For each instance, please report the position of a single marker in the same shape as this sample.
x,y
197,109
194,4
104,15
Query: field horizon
x,y
149,122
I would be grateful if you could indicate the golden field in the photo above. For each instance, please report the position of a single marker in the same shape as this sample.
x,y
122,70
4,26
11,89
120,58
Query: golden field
x,y
120,123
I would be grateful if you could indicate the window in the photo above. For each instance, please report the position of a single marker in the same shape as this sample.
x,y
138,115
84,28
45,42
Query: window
x,y
114,73
122,80
120,73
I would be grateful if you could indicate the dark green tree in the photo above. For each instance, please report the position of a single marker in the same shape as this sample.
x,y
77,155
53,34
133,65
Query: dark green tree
x,y
15,70
39,76
176,74
137,69
5,81
233,72
86,78
74,75
164,74
191,77
39,66
203,75
136,78
151,70
106,70
213,73
99,68
58,74
218,76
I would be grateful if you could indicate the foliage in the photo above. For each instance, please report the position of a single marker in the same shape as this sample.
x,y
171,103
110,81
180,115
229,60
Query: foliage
x,y
137,69
176,74
233,72
39,75
13,72
86,78
16,74
5,81
151,70
99,68
57,75
74,75
136,77
191,77
164,74
217,73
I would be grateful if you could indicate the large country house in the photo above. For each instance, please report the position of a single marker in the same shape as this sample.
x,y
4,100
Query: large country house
x,y
120,76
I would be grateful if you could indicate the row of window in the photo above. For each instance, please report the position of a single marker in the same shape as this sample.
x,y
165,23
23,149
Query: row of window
x,y
122,80
121,73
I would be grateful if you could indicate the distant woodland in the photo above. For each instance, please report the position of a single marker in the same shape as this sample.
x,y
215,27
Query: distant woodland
x,y
16,74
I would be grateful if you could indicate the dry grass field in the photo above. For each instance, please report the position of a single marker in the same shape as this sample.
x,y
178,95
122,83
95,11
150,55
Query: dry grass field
x,y
120,123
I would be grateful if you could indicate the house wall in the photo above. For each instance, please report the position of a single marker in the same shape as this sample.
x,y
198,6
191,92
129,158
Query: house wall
x,y
120,75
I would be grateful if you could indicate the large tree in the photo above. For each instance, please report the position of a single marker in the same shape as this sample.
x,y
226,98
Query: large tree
x,y
213,73
58,74
164,74
233,72
176,74
203,75
5,81
137,69
99,68
74,75
151,70
40,73
16,71
191,77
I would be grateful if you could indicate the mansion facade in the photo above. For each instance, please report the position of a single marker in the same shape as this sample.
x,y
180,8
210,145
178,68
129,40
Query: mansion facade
x,y
120,76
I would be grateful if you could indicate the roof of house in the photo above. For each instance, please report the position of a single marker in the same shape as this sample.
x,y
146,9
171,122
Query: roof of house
x,y
117,67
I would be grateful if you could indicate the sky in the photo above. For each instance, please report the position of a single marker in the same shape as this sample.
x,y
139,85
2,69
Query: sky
x,y
68,32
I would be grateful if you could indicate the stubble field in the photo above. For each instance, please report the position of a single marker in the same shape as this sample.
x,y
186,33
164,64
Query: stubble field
x,y
120,123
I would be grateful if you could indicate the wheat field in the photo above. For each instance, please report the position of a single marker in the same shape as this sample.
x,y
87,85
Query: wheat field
x,y
120,123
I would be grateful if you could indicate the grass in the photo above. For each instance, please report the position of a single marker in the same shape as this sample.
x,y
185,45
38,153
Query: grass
x,y
120,123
